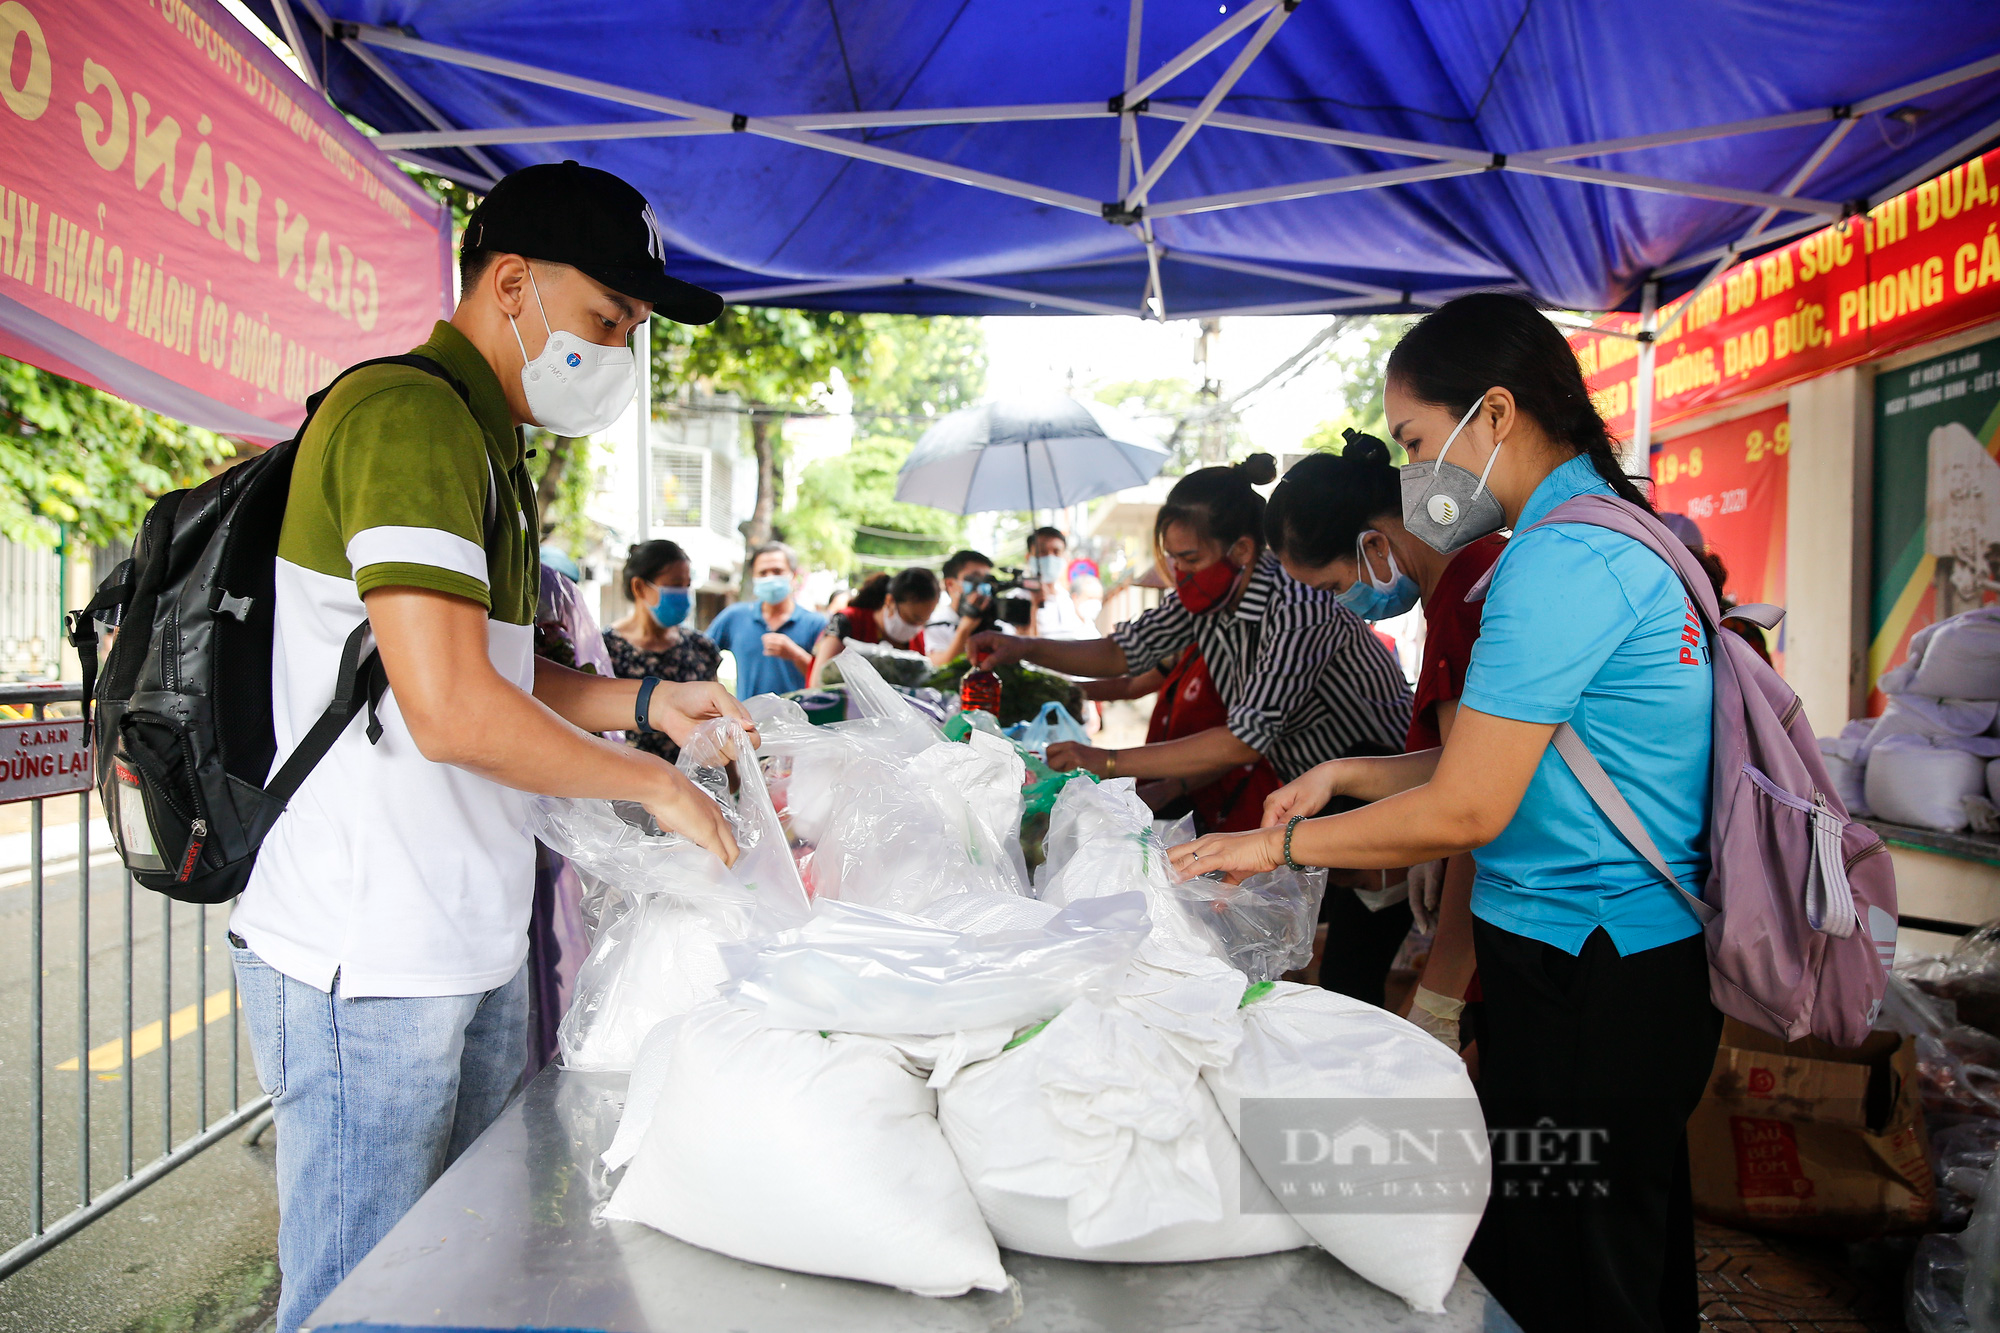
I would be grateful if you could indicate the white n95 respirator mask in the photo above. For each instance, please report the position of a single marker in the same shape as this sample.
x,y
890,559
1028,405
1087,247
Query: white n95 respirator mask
x,y
1444,506
575,387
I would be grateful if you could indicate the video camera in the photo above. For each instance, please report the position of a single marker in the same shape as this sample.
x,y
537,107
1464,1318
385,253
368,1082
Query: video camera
x,y
1005,599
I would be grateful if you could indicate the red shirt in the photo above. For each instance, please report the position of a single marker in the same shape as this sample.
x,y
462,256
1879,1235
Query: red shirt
x,y
1451,626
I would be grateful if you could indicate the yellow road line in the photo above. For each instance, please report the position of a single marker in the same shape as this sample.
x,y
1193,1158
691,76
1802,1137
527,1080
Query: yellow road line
x,y
146,1040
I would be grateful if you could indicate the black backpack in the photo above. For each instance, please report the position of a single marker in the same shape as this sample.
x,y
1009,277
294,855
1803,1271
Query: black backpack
x,y
182,730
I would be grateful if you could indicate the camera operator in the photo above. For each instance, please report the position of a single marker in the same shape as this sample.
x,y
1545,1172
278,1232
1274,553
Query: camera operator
x,y
967,607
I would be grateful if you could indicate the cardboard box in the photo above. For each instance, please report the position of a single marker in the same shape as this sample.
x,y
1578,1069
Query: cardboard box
x,y
1812,1138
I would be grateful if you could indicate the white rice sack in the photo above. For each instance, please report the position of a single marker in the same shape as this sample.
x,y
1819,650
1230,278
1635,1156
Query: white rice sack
x,y
1848,777
1303,1042
1094,1139
660,958
817,1154
1960,657
642,1091
1925,786
1931,719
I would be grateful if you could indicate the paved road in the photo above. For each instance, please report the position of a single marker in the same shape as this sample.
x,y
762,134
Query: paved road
x,y
193,1252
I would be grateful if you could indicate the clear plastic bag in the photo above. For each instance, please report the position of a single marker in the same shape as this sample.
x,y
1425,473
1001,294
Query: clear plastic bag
x,y
1958,1064
904,834
668,905
1954,1284
1052,724
907,728
1264,926
867,970
1102,839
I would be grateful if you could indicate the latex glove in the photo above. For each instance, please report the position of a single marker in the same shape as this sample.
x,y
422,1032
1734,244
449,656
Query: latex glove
x,y
1426,892
1437,1014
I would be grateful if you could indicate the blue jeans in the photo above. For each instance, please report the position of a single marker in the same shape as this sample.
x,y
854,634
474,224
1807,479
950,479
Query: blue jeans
x,y
373,1099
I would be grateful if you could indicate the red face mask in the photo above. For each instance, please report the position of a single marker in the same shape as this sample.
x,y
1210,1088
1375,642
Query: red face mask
x,y
1208,588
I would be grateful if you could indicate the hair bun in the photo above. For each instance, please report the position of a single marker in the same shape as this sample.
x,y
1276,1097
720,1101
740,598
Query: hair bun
x,y
1364,448
1258,469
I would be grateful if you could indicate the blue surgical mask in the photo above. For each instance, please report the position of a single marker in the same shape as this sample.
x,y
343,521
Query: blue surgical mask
x,y
1049,569
771,589
1378,601
670,608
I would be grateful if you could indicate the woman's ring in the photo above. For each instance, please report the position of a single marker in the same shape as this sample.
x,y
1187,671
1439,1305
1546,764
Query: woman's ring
x,y
1196,856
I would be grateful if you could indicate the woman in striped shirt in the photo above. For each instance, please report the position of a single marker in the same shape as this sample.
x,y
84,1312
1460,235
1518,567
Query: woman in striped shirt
x,y
1303,679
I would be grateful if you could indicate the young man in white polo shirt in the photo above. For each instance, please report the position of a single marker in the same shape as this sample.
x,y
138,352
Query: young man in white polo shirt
x,y
381,942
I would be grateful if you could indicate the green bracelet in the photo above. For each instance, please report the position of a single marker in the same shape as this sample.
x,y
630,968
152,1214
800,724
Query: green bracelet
x,y
1291,824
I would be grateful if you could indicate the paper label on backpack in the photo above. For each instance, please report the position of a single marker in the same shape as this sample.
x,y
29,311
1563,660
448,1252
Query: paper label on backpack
x,y
135,831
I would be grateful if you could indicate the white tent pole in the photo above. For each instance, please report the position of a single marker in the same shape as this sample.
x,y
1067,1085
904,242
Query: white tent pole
x,y
422,107
1292,129
1655,185
642,350
970,115
1642,397
295,39
1965,147
1128,121
1783,231
1749,237
1271,194
616,129
391,39
1667,138
1930,85
1222,32
1019,294
1251,50
1283,275
745,295
1329,306
471,179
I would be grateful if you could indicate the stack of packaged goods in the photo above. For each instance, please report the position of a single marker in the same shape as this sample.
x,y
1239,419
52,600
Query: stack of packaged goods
x,y
928,1062
1932,760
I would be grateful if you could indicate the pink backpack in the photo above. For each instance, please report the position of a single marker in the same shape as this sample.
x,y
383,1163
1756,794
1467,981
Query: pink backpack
x,y
1800,904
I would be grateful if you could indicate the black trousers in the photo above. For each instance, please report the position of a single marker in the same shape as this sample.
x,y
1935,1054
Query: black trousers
x,y
1589,1069
1360,944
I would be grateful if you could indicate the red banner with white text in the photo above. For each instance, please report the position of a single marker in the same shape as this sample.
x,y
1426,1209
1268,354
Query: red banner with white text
x,y
1917,266
1732,480
187,224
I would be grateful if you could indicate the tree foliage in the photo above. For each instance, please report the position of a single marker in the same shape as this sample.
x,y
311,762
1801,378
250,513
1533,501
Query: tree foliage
x,y
904,372
858,489
73,455
1360,357
914,370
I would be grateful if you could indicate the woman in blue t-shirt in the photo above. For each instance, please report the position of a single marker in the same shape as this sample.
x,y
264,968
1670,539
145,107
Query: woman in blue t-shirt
x,y
1598,1032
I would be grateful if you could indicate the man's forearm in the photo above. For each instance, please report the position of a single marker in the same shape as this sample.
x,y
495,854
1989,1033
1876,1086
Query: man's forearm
x,y
585,700
519,742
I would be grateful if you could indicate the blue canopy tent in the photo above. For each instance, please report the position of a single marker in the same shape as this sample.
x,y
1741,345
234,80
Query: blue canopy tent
x,y
1185,159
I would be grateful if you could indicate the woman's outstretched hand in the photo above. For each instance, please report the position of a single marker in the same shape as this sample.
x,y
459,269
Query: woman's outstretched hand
x,y
1305,795
1236,856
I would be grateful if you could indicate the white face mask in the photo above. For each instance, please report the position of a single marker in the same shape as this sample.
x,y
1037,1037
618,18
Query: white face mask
x,y
895,628
575,387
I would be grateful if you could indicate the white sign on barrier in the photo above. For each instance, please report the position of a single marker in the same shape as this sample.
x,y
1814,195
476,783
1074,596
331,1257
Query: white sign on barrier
x,y
43,758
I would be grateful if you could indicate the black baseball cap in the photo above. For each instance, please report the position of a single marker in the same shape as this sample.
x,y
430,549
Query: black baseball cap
x,y
567,213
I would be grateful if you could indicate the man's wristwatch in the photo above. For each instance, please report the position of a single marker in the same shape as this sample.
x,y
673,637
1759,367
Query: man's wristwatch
x,y
644,705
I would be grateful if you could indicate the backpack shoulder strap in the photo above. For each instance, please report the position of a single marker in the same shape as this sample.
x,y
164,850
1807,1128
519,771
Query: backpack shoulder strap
x,y
1621,516
1604,793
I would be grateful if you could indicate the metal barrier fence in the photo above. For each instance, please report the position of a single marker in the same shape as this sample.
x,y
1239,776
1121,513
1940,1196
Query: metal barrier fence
x,y
44,760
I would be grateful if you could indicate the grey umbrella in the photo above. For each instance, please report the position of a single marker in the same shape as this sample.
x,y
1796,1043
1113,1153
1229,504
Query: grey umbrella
x,y
1025,453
